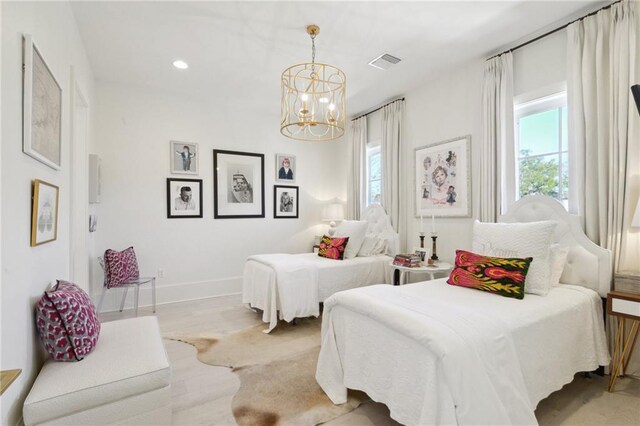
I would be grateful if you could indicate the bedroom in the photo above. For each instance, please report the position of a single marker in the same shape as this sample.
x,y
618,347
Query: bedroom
x,y
124,101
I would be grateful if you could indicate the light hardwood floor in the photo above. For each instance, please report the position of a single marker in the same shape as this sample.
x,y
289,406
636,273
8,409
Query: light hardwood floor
x,y
202,393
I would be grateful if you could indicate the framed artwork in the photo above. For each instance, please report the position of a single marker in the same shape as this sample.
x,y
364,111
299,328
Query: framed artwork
x,y
42,108
285,202
184,158
44,213
443,179
238,187
286,168
184,198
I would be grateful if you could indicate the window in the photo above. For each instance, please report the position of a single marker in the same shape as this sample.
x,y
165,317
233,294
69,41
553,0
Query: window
x,y
542,148
374,176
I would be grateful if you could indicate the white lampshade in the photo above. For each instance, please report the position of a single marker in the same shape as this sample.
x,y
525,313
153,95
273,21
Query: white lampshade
x,y
333,212
635,222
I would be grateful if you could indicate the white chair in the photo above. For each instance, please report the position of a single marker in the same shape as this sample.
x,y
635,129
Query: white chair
x,y
130,283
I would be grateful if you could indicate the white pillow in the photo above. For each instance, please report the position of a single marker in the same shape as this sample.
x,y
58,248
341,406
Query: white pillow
x,y
356,231
532,239
372,246
557,260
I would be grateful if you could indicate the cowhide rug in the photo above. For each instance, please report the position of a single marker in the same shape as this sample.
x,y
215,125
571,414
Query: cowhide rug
x,y
277,374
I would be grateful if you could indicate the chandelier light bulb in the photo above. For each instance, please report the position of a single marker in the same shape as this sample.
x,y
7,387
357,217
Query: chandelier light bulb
x,y
323,100
332,107
304,97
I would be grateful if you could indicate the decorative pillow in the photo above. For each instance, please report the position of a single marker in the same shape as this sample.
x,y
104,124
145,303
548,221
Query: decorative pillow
x,y
557,260
497,275
531,239
67,322
333,248
120,266
372,246
356,231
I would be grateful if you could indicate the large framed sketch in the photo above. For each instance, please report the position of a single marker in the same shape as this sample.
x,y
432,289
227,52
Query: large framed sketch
x,y
42,108
238,184
44,213
443,179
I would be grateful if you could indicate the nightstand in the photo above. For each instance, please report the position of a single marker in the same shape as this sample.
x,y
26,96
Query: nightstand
x,y
398,278
626,308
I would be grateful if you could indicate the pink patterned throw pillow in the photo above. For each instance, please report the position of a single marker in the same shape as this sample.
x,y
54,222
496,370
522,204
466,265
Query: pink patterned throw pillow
x,y
67,322
333,248
120,266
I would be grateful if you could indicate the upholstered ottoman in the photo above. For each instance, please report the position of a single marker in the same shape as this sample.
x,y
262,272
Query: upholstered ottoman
x,y
125,380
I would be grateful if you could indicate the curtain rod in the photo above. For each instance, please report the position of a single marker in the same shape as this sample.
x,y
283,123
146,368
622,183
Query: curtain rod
x,y
554,30
377,109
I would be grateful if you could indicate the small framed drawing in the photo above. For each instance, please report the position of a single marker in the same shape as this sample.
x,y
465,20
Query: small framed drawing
x,y
184,158
42,108
44,213
443,179
285,202
238,184
184,198
286,168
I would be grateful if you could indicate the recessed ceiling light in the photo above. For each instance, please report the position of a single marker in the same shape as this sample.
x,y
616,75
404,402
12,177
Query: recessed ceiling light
x,y
180,64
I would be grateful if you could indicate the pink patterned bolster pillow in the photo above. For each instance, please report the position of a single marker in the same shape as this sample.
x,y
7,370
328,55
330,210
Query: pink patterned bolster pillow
x,y
120,266
67,322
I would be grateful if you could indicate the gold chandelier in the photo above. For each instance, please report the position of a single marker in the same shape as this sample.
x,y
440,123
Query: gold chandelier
x,y
313,99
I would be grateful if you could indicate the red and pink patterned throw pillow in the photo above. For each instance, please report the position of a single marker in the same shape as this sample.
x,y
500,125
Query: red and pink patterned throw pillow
x,y
120,266
497,275
333,248
67,322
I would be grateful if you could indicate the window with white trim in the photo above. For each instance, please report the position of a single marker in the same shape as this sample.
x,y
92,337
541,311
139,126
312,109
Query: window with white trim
x,y
374,176
542,165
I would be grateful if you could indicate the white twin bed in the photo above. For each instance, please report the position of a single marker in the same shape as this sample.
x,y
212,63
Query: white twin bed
x,y
289,286
441,354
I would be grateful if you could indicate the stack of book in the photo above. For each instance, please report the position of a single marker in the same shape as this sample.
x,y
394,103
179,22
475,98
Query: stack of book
x,y
408,260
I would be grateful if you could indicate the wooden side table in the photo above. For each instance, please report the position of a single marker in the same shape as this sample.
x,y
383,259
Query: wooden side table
x,y
626,308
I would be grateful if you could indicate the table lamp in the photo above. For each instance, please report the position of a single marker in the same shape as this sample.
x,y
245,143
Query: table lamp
x,y
333,213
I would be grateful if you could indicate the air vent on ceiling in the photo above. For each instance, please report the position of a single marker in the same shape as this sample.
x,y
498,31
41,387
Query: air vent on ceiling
x,y
384,62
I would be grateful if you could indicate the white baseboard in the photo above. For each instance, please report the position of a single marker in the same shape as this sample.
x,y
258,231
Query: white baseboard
x,y
171,293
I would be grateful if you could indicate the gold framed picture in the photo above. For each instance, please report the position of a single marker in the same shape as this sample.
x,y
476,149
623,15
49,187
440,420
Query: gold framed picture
x,y
44,213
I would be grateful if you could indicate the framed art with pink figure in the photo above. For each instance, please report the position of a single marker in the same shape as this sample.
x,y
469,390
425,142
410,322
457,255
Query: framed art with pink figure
x,y
443,179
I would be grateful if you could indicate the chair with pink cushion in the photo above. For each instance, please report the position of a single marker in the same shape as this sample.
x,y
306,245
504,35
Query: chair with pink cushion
x,y
121,271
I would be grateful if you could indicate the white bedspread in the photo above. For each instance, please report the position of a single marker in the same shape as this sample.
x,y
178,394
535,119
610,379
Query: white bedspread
x,y
439,354
295,284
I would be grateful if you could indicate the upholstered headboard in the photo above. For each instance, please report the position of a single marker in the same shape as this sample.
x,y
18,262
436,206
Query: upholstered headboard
x,y
588,265
380,226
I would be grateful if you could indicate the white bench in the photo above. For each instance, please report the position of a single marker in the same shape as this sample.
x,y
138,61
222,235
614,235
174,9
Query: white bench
x,y
125,380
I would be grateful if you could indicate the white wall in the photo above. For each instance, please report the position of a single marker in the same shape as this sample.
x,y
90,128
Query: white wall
x,y
440,110
27,270
200,257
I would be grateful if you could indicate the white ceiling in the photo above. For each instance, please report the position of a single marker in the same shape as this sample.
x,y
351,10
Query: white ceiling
x,y
237,50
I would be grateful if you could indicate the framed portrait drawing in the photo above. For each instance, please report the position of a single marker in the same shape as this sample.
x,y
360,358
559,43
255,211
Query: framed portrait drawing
x,y
238,184
184,198
42,108
285,202
44,213
286,168
443,179
184,158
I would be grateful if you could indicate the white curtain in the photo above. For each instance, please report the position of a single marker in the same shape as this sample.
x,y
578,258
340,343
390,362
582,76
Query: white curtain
x,y
497,161
603,62
392,148
355,177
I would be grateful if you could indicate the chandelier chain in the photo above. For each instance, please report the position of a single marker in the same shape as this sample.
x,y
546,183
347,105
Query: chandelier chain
x,y
313,51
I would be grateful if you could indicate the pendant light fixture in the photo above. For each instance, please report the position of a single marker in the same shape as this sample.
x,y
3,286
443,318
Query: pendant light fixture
x,y
313,99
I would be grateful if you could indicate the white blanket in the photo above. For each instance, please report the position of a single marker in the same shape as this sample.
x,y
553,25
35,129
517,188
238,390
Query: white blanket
x,y
387,343
474,352
297,288
261,282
